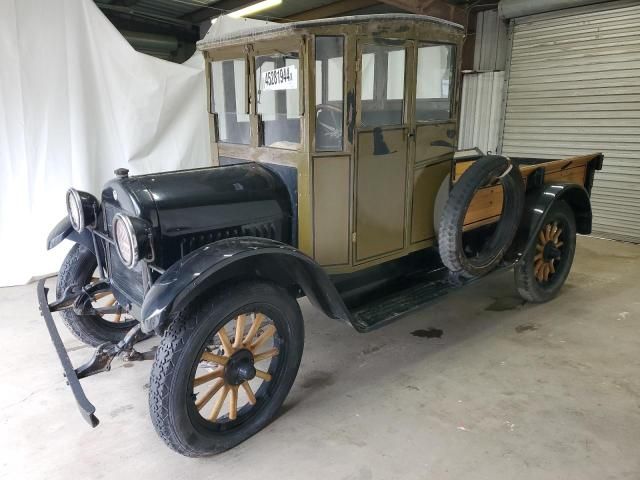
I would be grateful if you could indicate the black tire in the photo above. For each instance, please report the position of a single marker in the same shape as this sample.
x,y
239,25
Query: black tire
x,y
440,202
172,401
530,287
491,250
77,269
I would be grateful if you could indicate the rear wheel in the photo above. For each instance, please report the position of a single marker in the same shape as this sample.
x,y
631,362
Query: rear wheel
x,y
224,368
78,269
542,271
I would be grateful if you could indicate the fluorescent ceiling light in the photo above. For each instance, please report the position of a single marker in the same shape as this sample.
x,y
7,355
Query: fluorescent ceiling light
x,y
255,8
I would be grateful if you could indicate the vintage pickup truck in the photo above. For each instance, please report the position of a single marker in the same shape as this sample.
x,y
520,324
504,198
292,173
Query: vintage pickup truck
x,y
333,178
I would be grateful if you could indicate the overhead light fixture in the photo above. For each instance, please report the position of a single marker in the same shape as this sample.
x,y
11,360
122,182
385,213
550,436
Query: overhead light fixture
x,y
255,8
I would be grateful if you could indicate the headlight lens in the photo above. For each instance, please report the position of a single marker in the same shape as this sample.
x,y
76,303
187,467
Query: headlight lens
x,y
132,238
82,208
74,209
125,238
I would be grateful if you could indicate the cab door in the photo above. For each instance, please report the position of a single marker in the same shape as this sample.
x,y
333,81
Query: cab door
x,y
435,134
382,148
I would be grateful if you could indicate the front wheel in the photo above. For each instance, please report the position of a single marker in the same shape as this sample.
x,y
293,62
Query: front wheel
x,y
77,270
224,368
541,272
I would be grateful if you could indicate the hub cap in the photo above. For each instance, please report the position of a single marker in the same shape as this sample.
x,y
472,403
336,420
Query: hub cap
x,y
234,365
548,252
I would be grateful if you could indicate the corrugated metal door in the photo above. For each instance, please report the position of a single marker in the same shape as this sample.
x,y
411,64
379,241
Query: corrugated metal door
x,y
574,88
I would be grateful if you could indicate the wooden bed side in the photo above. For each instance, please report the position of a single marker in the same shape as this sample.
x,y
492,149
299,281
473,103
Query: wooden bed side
x,y
486,205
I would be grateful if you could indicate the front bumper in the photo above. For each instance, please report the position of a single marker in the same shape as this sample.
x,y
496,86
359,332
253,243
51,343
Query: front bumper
x,y
87,410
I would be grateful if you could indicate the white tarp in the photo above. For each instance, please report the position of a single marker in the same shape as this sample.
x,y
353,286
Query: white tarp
x,y
76,102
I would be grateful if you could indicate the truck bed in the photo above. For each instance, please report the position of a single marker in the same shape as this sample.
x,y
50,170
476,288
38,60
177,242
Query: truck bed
x,y
486,206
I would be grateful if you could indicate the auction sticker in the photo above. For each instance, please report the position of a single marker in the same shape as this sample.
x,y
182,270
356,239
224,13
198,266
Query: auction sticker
x,y
285,78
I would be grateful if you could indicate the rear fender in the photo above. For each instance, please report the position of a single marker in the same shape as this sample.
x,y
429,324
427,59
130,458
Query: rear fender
x,y
538,203
224,263
64,230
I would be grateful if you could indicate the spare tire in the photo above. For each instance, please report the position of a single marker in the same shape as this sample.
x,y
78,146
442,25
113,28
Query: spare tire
x,y
486,253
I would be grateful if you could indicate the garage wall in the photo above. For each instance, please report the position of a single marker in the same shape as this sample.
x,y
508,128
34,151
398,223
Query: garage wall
x,y
574,88
481,111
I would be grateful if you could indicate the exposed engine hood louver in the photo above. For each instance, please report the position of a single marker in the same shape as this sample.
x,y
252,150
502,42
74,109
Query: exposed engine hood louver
x,y
263,230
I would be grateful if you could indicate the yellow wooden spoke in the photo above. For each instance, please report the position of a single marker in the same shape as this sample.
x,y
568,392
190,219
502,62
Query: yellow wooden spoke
x,y
537,267
218,405
542,238
537,257
226,344
100,295
207,377
554,229
233,403
545,272
118,317
208,395
547,232
539,275
249,392
263,375
266,335
559,244
111,302
240,322
257,321
265,355
557,236
210,357
551,267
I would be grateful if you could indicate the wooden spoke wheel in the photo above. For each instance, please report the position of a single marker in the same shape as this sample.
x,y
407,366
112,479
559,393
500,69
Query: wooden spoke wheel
x,y
234,366
106,305
543,269
548,251
224,367
108,323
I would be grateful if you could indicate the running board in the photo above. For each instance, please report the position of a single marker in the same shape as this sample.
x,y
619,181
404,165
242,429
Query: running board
x,y
390,306
416,292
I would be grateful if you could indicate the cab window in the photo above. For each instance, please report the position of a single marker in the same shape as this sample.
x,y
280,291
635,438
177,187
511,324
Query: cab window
x,y
278,99
329,68
229,100
382,85
434,82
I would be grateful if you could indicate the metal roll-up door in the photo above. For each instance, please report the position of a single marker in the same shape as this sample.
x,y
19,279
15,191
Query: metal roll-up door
x,y
574,88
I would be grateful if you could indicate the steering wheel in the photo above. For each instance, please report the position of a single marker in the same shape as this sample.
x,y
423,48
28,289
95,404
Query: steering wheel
x,y
331,127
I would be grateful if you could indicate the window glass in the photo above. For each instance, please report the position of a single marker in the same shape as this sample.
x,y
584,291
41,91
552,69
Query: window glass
x,y
435,82
229,97
368,74
395,83
278,100
382,85
329,94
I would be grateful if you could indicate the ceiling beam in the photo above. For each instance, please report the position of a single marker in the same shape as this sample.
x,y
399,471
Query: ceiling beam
x,y
333,9
434,8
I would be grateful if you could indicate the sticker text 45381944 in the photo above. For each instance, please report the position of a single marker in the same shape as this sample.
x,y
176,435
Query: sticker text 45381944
x,y
285,78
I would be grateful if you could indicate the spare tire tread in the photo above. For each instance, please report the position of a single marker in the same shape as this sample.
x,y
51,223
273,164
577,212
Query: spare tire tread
x,y
452,221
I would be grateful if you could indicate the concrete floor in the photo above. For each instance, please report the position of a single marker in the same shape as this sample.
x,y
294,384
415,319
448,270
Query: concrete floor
x,y
509,391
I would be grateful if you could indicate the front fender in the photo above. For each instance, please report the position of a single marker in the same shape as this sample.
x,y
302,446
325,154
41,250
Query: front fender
x,y
64,230
229,261
540,200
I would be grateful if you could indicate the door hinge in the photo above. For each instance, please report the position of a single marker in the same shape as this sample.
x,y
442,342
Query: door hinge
x,y
353,237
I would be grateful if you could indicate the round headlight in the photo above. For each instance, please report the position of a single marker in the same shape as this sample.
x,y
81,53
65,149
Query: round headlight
x,y
82,209
131,236
74,209
125,238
